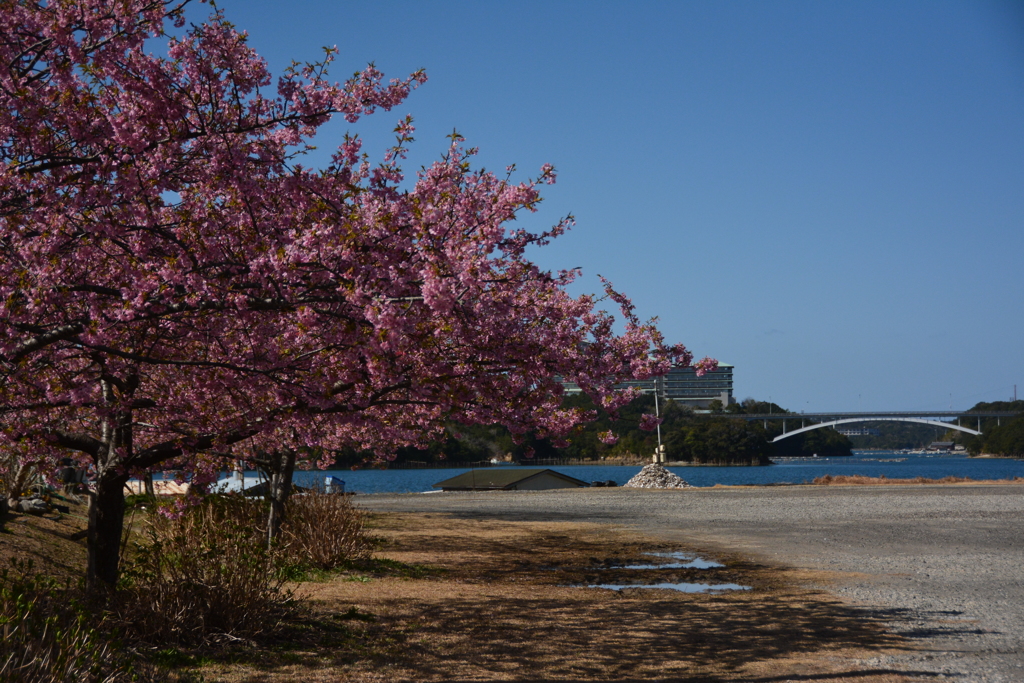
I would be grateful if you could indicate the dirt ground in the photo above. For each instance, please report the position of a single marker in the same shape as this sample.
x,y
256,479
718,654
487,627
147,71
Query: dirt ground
x,y
53,544
469,600
492,601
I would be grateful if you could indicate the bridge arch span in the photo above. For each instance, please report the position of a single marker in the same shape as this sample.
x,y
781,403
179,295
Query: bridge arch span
x,y
934,423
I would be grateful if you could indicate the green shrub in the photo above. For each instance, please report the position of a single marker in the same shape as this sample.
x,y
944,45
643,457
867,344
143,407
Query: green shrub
x,y
46,636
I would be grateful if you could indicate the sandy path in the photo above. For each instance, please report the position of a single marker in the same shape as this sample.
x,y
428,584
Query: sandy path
x,y
944,565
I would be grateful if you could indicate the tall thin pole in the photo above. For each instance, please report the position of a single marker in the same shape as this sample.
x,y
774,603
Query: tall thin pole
x,y
657,413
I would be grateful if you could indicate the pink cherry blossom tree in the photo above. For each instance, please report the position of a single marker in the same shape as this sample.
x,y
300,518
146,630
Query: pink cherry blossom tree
x,y
177,289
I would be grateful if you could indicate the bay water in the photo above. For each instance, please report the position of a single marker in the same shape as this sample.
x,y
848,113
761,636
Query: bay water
x,y
892,465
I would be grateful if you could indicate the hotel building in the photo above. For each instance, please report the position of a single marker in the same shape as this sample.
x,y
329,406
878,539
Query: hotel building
x,y
683,386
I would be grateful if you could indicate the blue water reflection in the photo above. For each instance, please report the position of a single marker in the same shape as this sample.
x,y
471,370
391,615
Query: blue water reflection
x,y
681,587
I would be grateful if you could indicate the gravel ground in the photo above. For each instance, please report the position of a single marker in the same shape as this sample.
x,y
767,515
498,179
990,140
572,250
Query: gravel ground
x,y
943,565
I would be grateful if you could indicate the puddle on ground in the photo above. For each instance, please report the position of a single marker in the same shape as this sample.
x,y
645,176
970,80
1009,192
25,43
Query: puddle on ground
x,y
688,562
681,587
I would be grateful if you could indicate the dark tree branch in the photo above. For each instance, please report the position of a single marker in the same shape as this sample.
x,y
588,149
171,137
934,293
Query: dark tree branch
x,y
58,334
76,442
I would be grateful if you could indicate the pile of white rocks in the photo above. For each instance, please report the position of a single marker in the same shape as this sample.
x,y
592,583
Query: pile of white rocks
x,y
33,505
655,476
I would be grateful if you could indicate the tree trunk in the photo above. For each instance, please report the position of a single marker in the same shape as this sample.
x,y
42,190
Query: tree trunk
x,y
106,524
148,481
281,470
18,483
106,505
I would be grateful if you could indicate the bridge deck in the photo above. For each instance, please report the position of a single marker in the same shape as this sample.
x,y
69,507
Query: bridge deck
x,y
869,415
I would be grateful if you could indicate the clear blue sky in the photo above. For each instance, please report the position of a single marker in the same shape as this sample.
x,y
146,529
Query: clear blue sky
x,y
829,196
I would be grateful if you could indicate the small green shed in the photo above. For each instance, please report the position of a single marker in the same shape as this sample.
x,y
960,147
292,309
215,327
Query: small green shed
x,y
510,480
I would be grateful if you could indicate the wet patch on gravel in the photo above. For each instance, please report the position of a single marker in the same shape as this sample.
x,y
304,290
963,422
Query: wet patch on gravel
x,y
680,587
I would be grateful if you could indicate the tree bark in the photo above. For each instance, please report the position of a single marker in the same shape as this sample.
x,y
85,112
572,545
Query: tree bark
x,y
282,467
148,481
106,524
21,477
106,505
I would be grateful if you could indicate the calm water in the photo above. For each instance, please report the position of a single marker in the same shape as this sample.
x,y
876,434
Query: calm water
x,y
892,465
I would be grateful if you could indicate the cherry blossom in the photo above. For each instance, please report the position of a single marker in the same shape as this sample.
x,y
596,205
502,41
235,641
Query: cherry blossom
x,y
178,291
649,422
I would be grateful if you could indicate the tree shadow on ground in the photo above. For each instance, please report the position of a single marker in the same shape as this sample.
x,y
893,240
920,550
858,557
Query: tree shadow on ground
x,y
627,637
506,609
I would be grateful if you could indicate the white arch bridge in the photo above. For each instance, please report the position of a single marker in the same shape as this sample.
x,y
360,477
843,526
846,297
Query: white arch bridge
x,y
823,420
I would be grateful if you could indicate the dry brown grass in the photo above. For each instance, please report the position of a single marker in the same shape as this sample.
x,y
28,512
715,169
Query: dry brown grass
x,y
54,543
200,578
858,480
324,530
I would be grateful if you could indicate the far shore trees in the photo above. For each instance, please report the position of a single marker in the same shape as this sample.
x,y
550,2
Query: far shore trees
x,y
177,290
698,436
999,436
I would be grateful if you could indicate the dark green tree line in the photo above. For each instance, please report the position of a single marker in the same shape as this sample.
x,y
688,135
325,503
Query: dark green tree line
x,y
999,436
716,436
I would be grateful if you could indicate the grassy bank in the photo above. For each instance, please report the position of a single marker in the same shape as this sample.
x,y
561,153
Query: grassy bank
x,y
858,480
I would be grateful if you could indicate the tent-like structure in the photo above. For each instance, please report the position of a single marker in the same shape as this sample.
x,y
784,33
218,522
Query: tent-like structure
x,y
510,480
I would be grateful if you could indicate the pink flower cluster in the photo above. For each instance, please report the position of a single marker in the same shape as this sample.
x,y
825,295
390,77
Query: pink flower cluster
x,y
649,422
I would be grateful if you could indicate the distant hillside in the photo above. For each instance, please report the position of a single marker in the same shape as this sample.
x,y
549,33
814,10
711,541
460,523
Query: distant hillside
x,y
1001,406
824,442
897,435
999,436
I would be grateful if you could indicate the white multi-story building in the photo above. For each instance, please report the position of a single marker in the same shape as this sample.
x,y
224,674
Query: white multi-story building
x,y
682,385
